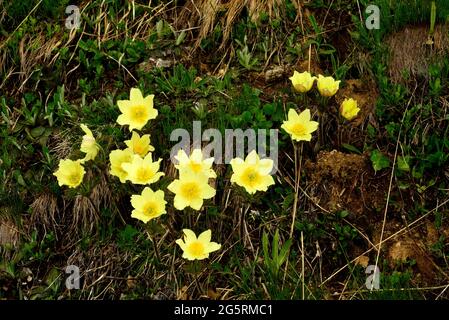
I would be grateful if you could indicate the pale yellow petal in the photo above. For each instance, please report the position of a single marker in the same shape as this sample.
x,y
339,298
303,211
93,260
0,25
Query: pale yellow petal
x,y
213,246
86,130
197,155
196,204
304,116
123,105
139,215
292,114
148,100
123,119
180,203
174,186
208,192
252,157
205,236
265,166
182,157
135,94
312,126
189,236
236,162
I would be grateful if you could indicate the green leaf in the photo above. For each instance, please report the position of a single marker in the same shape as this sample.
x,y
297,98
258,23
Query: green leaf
x,y
53,279
343,214
19,178
181,38
269,109
37,132
403,163
284,252
351,148
433,17
275,246
379,161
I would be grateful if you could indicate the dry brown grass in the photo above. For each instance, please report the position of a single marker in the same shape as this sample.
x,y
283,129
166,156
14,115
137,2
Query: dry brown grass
x,y
199,17
84,217
69,220
60,145
9,233
411,53
103,268
35,50
45,213
38,51
102,196
205,14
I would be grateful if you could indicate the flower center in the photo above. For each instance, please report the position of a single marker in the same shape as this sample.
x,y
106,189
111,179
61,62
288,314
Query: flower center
x,y
74,178
139,114
143,174
150,209
190,190
299,129
196,249
138,148
251,177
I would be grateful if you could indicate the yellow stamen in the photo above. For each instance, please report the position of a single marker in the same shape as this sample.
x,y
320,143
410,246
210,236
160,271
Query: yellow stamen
x,y
196,248
299,129
190,190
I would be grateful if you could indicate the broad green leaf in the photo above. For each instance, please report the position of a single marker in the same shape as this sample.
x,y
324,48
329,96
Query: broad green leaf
x,y
379,160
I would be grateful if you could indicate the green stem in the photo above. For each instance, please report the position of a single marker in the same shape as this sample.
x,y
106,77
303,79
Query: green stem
x,y
196,267
433,17
156,250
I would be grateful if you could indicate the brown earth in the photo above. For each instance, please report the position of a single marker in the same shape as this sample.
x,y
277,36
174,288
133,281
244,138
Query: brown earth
x,y
412,50
340,181
414,244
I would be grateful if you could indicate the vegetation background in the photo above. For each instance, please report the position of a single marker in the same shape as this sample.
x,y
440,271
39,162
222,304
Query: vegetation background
x,y
373,190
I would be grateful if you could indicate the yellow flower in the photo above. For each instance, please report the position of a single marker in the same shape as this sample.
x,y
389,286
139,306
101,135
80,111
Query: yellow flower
x,y
143,170
302,82
327,86
197,248
139,144
190,190
137,110
349,109
88,145
70,173
148,205
194,163
299,126
117,158
253,174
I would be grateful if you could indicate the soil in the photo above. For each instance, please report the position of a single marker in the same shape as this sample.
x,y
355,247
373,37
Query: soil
x,y
412,51
341,181
413,245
